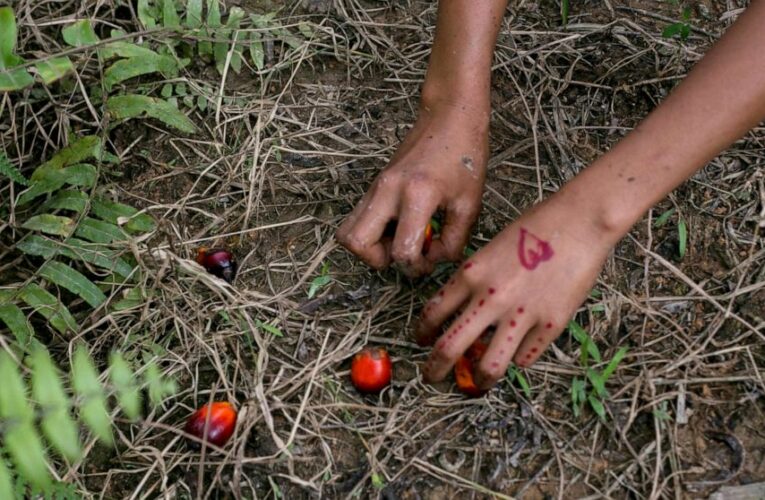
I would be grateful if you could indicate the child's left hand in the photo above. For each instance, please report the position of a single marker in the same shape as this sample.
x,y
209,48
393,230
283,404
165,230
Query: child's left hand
x,y
527,281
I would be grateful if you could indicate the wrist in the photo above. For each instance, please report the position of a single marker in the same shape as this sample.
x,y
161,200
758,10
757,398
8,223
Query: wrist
x,y
464,107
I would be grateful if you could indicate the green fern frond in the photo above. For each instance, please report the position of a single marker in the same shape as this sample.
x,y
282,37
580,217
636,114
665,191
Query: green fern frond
x,y
8,170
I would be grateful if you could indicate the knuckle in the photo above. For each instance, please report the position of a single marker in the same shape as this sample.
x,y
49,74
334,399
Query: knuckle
x,y
443,353
387,177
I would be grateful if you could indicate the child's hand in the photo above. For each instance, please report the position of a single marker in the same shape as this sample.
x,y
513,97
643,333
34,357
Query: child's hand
x,y
440,165
527,281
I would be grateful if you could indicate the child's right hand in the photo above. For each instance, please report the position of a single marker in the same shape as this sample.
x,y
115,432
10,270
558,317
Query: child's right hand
x,y
440,165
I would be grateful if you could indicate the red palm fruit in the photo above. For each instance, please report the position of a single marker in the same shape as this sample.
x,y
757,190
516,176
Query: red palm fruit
x,y
222,420
465,365
218,262
371,370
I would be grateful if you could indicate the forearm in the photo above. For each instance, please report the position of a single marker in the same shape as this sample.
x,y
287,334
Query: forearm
x,y
460,63
722,98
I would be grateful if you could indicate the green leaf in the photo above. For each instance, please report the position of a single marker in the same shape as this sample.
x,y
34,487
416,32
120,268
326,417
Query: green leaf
x,y
93,406
54,69
74,281
682,237
672,30
611,367
50,224
20,438
159,386
99,231
113,212
598,382
516,374
597,406
68,199
84,148
577,395
213,13
9,170
6,484
15,79
686,15
663,218
170,17
17,323
146,14
257,53
49,306
685,31
7,37
194,14
77,249
133,298
269,328
125,69
317,284
127,50
378,481
57,423
51,179
584,339
133,106
123,379
80,33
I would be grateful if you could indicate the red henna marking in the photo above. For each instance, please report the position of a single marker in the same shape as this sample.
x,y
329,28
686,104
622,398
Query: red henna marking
x,y
528,356
512,322
549,325
520,310
482,302
441,293
451,282
467,321
491,291
534,252
509,338
534,349
475,313
540,339
467,265
494,364
502,351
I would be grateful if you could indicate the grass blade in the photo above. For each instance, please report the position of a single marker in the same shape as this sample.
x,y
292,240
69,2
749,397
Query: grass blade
x,y
682,237
125,107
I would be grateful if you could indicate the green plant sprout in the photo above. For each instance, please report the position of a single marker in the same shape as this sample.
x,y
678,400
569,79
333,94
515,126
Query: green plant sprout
x,y
597,393
682,27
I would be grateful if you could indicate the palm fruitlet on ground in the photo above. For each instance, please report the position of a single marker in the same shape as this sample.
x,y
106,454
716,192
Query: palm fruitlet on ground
x,y
371,370
220,423
219,262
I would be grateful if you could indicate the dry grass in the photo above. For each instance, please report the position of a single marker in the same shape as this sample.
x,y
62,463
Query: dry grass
x,y
286,152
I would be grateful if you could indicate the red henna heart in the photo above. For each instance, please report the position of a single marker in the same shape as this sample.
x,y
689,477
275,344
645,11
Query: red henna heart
x,y
533,251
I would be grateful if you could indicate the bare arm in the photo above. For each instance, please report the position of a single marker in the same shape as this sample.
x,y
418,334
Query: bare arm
x,y
722,98
529,280
441,164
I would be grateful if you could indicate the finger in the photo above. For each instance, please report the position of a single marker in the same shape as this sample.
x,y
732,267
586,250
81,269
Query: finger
x,y
508,338
460,335
536,341
440,308
450,244
362,233
414,217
